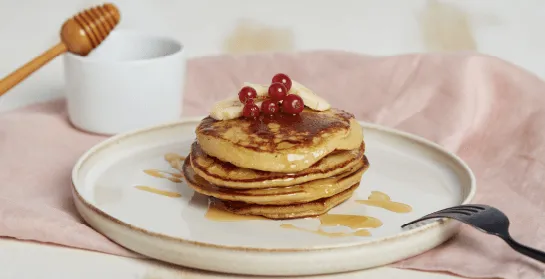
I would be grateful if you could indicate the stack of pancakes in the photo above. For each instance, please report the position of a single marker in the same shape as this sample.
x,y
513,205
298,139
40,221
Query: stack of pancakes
x,y
279,167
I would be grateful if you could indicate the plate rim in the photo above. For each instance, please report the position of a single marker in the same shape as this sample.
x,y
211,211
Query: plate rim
x,y
185,120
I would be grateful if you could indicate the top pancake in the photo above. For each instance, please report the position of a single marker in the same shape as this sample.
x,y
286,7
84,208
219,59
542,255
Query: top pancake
x,y
279,143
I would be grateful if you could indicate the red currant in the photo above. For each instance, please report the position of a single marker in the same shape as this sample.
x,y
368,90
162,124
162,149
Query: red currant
x,y
292,104
246,93
250,110
277,91
284,79
269,107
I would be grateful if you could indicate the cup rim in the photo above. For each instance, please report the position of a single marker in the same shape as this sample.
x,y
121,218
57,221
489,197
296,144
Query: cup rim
x,y
89,59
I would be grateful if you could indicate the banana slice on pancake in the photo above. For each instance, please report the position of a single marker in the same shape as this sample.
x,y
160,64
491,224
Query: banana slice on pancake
x,y
310,99
231,108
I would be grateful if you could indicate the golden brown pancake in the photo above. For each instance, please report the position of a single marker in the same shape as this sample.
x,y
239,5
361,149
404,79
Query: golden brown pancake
x,y
225,174
291,211
300,193
279,143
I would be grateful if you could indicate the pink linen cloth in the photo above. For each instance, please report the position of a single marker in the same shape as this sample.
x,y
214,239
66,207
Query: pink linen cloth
x,y
487,111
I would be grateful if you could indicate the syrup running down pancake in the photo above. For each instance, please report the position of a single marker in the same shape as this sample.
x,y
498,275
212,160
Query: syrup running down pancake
x,y
224,174
290,211
297,193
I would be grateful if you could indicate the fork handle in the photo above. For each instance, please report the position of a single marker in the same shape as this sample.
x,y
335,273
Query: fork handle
x,y
525,250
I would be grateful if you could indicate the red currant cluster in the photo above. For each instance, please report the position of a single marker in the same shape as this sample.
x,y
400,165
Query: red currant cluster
x,y
278,99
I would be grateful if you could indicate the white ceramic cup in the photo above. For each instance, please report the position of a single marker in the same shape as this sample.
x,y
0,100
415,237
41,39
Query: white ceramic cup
x,y
132,80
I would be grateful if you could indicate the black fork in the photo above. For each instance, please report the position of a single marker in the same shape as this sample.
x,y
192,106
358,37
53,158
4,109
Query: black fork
x,y
487,219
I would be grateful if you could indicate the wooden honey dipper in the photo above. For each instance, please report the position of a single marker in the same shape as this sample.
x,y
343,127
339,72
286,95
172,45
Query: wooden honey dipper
x,y
79,35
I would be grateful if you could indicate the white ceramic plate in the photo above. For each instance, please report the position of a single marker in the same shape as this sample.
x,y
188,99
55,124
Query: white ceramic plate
x,y
409,169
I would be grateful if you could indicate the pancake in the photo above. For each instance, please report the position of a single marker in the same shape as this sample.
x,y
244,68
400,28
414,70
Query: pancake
x,y
279,143
300,193
291,211
224,174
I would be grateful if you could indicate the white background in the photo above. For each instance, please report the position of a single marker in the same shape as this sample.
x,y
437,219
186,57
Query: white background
x,y
512,30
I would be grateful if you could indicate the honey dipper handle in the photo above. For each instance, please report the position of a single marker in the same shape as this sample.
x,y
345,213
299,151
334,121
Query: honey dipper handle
x,y
20,74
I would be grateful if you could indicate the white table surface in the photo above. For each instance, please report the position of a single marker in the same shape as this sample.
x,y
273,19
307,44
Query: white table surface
x,y
24,260
20,40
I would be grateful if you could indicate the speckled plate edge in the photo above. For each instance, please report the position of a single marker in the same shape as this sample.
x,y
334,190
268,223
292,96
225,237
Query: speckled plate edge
x,y
275,262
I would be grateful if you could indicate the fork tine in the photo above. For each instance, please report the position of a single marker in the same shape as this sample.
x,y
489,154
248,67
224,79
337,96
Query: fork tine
x,y
477,207
464,209
434,215
447,210
459,208
463,212
451,212
425,217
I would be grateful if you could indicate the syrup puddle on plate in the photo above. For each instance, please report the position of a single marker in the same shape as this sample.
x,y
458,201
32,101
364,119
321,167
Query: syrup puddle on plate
x,y
352,221
215,214
175,161
158,191
382,200
358,223
174,177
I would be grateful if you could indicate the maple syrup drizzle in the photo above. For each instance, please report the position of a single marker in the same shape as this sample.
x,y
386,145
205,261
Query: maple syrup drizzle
x,y
215,214
175,161
319,231
174,177
158,191
382,200
355,222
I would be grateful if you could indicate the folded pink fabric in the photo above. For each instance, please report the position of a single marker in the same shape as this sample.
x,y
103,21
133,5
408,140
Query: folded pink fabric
x,y
489,112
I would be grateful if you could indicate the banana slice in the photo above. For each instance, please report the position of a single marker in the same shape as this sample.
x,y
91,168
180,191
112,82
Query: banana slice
x,y
260,89
310,99
226,109
231,108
